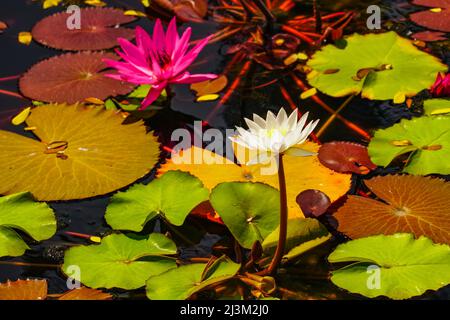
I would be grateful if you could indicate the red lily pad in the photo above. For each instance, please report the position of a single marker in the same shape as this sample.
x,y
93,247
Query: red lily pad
x,y
71,78
429,36
99,30
436,19
313,203
344,156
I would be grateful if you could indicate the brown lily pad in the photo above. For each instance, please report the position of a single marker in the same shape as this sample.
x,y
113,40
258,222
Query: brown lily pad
x,y
409,204
72,78
438,18
30,289
342,156
98,30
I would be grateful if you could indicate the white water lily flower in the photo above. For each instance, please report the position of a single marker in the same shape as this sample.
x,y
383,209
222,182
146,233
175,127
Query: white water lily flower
x,y
275,135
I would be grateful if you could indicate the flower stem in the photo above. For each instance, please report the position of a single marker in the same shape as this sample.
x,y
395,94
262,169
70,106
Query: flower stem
x,y
279,252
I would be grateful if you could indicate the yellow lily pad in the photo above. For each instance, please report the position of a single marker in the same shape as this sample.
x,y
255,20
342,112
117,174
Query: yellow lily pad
x,y
80,152
302,173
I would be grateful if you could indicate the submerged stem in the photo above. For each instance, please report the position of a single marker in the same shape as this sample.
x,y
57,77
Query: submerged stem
x,y
334,115
270,18
279,252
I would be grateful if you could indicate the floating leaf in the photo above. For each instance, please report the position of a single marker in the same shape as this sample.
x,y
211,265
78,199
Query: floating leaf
x,y
208,97
30,289
25,37
71,78
120,261
427,137
213,169
379,66
21,117
98,29
95,3
342,156
434,107
3,26
81,152
84,293
437,18
165,196
184,281
308,93
210,87
301,234
406,267
313,203
250,210
411,204
134,13
20,212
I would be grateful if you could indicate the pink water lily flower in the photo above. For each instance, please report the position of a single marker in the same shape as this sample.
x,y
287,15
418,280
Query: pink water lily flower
x,y
158,61
441,87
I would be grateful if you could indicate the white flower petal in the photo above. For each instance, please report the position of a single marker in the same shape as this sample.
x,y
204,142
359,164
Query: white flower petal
x,y
281,118
302,121
292,120
259,121
298,152
271,121
252,126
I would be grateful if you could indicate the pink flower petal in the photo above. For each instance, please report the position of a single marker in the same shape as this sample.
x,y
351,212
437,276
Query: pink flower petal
x,y
187,78
172,37
153,94
158,37
191,55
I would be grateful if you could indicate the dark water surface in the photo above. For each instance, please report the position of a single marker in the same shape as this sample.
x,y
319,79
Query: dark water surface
x,y
86,216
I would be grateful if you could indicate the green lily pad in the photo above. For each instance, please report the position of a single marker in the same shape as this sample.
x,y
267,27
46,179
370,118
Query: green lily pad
x,y
120,261
433,107
184,281
397,266
250,210
19,211
379,66
140,92
173,196
302,235
427,137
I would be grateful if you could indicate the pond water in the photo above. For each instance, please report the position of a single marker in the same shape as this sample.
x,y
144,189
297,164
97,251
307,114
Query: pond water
x,y
86,216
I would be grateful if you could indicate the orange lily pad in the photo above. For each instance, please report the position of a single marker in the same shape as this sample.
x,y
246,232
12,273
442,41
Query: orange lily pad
x,y
30,289
407,204
210,87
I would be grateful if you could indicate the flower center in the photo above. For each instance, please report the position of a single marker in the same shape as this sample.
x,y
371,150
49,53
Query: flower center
x,y
164,60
